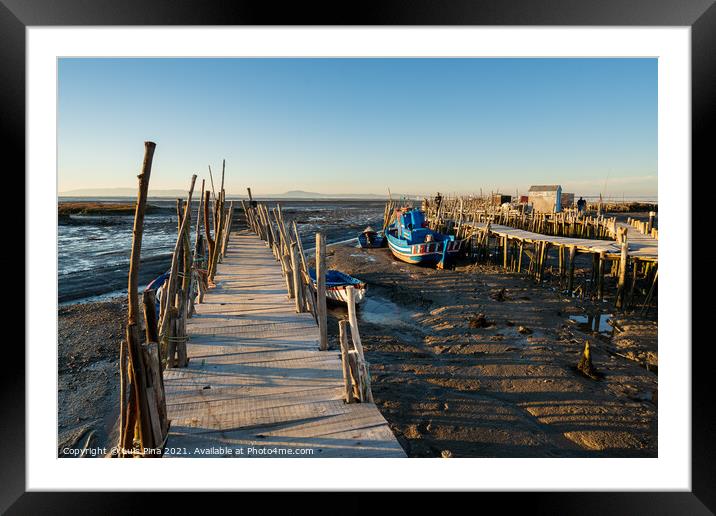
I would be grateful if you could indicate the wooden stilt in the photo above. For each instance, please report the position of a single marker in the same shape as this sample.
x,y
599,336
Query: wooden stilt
x,y
321,290
347,382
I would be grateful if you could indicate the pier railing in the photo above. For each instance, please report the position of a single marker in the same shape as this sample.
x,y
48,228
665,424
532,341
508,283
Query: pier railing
x,y
143,414
310,296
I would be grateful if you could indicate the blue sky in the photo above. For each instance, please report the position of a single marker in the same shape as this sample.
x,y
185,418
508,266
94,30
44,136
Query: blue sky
x,y
362,125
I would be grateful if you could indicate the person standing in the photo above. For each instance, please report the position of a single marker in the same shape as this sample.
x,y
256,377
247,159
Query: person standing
x,y
581,205
438,200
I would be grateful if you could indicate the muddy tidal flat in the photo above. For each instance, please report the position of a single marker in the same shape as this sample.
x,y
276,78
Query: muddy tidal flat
x,y
477,362
88,374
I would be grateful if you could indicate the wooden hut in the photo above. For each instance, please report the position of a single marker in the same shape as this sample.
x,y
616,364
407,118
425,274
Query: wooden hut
x,y
500,199
567,200
545,198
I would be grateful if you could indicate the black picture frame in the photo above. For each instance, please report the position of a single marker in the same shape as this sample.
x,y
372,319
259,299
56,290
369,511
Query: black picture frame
x,y
700,15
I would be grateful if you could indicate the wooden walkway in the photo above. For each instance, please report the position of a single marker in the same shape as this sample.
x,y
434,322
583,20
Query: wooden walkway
x,y
256,380
641,246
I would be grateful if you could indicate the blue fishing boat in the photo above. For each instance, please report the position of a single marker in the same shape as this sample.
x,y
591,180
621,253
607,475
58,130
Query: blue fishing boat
x,y
156,284
411,241
336,284
370,238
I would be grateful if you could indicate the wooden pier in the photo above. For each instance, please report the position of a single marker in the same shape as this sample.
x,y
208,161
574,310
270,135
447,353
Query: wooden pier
x,y
256,379
640,246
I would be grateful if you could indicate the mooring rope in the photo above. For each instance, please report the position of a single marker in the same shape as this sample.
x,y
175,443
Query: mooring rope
x,y
177,339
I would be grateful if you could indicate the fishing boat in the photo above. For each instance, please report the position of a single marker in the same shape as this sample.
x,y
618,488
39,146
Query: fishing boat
x,y
370,238
412,241
337,283
156,284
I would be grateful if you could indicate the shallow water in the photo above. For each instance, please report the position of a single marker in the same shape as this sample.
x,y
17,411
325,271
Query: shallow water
x,y
93,250
378,310
599,323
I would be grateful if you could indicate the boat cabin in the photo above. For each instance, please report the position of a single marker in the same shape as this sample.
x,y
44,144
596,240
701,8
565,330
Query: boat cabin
x,y
412,226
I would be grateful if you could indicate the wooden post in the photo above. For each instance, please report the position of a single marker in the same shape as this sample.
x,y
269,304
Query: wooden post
x,y
600,276
139,384
364,375
300,247
632,288
150,316
227,228
138,231
321,290
353,320
295,269
182,359
122,394
197,256
210,242
650,225
519,259
505,252
288,274
570,265
650,295
154,354
621,286
174,271
541,260
137,409
560,260
347,383
310,295
186,283
211,177
157,397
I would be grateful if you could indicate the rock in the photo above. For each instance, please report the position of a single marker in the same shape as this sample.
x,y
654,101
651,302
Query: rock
x,y
524,330
500,295
412,432
478,321
585,364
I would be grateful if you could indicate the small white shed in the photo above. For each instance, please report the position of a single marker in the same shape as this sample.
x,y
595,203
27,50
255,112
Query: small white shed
x,y
545,198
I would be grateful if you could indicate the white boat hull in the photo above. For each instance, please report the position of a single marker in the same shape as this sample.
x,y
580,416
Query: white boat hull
x,y
340,294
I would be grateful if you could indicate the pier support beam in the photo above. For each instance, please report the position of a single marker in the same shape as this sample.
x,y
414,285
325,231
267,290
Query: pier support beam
x,y
600,275
570,266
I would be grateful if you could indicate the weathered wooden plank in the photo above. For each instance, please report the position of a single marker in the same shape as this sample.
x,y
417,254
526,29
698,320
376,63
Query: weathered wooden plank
x,y
359,431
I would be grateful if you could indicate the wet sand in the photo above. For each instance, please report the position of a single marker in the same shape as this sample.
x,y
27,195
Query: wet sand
x,y
452,383
88,366
448,381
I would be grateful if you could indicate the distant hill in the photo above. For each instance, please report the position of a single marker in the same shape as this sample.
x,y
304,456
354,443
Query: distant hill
x,y
120,192
300,194
293,194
